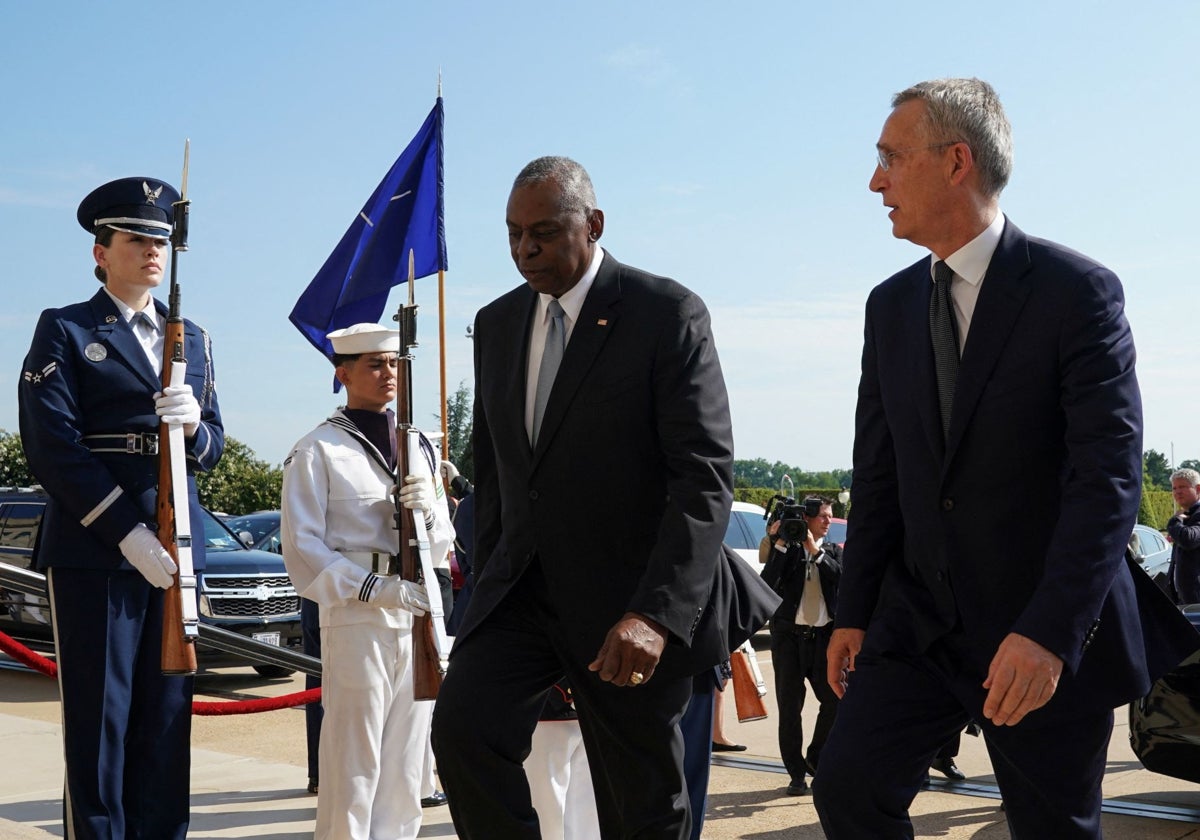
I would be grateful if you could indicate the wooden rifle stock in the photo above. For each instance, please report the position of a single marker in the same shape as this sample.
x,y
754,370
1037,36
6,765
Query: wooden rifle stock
x,y
426,664
178,650
427,671
748,690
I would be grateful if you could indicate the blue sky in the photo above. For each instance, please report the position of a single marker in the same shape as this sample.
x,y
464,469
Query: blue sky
x,y
730,147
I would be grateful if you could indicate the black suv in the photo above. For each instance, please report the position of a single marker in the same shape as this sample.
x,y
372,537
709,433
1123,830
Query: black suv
x,y
242,590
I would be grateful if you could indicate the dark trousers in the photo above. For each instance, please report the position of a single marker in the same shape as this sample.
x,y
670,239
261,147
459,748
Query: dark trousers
x,y
899,711
696,726
797,655
310,635
126,727
489,704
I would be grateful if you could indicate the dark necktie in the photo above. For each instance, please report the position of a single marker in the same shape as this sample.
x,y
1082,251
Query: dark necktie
x,y
551,357
944,335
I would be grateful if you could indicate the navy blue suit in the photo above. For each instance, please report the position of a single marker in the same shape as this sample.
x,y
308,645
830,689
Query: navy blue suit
x,y
1017,523
126,727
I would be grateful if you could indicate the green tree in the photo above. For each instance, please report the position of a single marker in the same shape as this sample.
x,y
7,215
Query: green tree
x,y
1190,464
1156,470
14,469
240,483
459,422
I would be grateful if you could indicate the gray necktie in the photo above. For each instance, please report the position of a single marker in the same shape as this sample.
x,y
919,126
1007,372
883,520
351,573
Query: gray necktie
x,y
944,335
144,327
556,340
810,597
146,331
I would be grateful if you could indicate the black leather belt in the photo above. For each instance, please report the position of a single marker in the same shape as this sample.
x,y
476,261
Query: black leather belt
x,y
133,443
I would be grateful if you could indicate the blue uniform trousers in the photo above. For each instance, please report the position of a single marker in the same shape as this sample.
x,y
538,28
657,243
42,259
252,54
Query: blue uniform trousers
x,y
126,726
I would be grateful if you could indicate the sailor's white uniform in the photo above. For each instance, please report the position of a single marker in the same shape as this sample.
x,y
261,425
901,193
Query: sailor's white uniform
x,y
337,512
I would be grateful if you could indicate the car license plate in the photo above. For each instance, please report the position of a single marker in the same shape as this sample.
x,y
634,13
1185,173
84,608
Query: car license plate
x,y
266,638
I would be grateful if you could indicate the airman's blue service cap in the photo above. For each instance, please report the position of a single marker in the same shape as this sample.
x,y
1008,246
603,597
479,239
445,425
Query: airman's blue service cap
x,y
141,206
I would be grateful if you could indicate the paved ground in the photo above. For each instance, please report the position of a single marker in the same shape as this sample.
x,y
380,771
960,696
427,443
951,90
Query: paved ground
x,y
248,777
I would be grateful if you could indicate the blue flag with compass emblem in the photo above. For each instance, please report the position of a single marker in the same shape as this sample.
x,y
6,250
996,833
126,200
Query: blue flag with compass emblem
x,y
405,212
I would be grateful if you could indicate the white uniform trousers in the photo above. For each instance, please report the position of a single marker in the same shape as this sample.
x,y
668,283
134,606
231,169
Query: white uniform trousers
x,y
373,737
560,783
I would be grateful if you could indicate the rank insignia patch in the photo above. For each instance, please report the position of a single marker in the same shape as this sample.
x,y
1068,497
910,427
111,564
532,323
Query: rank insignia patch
x,y
35,377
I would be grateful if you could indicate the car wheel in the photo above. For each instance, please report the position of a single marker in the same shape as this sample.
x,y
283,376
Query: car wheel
x,y
273,671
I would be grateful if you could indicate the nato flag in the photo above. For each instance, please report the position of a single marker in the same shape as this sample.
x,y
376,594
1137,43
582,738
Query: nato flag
x,y
405,212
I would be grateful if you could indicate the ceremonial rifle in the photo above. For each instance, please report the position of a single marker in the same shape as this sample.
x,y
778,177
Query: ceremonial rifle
x,y
430,644
180,621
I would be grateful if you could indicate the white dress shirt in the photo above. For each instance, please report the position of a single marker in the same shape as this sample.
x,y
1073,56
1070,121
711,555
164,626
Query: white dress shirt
x,y
151,337
969,264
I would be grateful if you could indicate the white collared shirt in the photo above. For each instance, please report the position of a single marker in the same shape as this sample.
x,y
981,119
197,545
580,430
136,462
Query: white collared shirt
x,y
152,344
572,303
969,264
812,587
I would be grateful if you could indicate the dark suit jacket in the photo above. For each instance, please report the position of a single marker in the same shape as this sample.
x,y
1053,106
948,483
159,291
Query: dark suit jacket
x,y
1183,574
86,374
1019,522
625,501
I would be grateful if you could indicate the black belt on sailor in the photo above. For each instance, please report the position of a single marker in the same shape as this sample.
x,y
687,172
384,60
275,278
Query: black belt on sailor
x,y
133,443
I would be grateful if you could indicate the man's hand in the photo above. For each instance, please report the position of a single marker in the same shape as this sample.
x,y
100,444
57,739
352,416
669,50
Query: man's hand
x,y
394,593
633,646
1023,676
416,493
844,645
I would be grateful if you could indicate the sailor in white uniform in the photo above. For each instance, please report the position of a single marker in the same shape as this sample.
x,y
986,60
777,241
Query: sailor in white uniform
x,y
339,541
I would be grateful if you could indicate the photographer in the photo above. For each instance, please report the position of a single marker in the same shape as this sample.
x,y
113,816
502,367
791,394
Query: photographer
x,y
804,570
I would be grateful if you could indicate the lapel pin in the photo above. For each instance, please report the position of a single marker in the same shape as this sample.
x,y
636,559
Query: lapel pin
x,y
602,322
111,319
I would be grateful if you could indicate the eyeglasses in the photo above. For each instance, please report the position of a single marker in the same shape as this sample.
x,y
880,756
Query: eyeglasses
x,y
885,156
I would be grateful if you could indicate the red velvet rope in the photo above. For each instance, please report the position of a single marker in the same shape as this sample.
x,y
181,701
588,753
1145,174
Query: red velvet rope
x,y
42,665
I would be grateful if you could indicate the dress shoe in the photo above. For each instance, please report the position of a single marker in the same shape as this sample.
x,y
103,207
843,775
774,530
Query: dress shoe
x,y
948,768
312,785
434,799
799,788
728,747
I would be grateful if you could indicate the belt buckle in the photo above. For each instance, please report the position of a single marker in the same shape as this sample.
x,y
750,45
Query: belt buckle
x,y
137,443
380,563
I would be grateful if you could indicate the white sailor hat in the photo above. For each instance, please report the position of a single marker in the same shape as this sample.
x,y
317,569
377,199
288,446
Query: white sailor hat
x,y
141,206
364,338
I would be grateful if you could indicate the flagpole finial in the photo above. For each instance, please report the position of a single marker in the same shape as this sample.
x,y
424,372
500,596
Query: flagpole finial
x,y
439,96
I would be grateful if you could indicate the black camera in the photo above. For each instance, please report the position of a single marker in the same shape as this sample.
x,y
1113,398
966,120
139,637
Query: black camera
x,y
792,526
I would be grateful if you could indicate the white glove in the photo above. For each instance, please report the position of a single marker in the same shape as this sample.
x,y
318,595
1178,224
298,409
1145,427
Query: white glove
x,y
392,592
176,406
146,554
417,493
449,473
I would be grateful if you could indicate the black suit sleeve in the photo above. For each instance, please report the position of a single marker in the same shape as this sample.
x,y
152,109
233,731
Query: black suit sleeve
x,y
691,410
